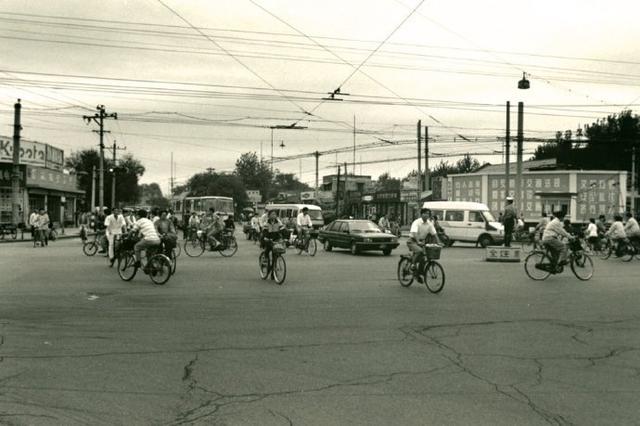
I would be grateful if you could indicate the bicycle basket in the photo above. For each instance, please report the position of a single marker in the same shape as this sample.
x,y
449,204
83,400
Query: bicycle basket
x,y
128,241
432,251
575,245
279,247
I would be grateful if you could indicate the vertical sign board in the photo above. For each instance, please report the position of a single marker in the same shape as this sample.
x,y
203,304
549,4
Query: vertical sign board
x,y
54,158
467,188
597,194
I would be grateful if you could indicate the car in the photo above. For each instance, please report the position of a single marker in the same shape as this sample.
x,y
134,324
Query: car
x,y
467,222
357,236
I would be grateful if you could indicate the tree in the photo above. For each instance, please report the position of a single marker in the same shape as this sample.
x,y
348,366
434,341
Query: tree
x,y
284,182
254,174
226,185
151,194
387,183
128,172
467,164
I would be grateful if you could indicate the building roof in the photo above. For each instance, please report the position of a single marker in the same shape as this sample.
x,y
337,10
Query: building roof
x,y
532,165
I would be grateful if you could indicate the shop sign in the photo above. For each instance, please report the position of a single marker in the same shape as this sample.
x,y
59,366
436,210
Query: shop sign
x,y
54,158
409,195
50,179
387,196
32,153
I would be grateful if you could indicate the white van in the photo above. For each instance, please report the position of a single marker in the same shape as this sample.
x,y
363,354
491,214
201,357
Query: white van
x,y
468,222
286,211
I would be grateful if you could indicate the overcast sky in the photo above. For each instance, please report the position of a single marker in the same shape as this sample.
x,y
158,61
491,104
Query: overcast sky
x,y
205,80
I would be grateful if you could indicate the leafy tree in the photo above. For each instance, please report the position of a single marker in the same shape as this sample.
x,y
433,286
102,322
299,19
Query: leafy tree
x,y
388,183
467,164
128,172
254,174
152,194
226,185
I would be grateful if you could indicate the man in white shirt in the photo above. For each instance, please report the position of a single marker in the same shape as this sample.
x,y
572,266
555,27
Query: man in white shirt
x,y
33,223
304,224
631,227
149,234
592,234
421,229
551,239
114,225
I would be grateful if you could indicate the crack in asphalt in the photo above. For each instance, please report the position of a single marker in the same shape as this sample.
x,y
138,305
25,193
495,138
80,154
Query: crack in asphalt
x,y
277,414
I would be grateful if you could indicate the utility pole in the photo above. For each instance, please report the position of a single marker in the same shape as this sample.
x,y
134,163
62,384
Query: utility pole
x,y
507,151
520,138
317,155
98,118
634,181
93,189
345,195
113,174
419,183
354,145
427,173
338,194
15,176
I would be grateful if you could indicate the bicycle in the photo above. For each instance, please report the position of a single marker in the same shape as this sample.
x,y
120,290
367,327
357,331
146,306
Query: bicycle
x,y
99,241
539,264
432,273
155,264
625,250
274,266
196,245
172,254
310,245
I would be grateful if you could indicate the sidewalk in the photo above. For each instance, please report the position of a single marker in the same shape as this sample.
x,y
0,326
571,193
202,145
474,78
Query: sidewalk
x,y
26,236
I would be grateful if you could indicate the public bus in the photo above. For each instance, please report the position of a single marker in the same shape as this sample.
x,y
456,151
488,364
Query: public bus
x,y
187,205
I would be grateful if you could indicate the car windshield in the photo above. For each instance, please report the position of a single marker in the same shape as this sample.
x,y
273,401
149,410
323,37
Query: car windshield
x,y
488,216
364,226
315,214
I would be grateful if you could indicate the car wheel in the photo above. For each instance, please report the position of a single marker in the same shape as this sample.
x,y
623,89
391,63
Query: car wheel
x,y
386,251
485,241
354,248
327,246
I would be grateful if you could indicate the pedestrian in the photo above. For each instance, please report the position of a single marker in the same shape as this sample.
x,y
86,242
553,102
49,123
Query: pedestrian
x,y
115,225
33,223
509,221
43,227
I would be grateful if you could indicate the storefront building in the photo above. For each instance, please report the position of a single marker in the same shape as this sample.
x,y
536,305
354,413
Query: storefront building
x,y
581,194
44,184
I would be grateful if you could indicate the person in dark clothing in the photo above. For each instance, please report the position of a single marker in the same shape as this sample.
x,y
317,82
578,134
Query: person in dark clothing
x,y
509,221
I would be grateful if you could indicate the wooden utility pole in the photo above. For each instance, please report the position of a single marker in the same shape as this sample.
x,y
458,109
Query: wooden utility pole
x,y
507,151
427,172
419,182
113,172
317,155
338,194
93,189
520,139
98,118
15,175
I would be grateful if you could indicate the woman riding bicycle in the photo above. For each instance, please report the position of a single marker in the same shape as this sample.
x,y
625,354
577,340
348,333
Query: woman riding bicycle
x,y
271,231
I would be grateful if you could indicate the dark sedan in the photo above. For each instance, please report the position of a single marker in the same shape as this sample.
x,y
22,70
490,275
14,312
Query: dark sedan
x,y
356,235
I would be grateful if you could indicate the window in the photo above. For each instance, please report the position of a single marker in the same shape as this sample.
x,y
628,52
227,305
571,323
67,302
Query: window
x,y
342,227
437,213
454,216
475,217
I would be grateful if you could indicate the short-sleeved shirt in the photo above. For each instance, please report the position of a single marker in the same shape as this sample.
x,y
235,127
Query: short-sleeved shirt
x,y
421,229
631,227
617,231
147,229
555,229
114,225
304,220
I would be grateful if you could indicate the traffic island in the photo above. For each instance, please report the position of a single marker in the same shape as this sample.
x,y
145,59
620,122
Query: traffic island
x,y
502,254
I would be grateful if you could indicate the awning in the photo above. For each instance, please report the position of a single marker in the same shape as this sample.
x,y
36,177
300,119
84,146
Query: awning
x,y
555,194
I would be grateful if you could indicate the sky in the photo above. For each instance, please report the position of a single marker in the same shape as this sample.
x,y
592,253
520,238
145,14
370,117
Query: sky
x,y
205,81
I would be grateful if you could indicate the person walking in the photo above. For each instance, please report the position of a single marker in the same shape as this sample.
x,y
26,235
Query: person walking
x,y
33,223
509,221
43,227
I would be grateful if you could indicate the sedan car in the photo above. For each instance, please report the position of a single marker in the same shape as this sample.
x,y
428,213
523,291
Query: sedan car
x,y
357,236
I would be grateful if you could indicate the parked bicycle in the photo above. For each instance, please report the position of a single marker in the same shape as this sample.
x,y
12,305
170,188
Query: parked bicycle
x,y
153,263
310,245
274,265
196,245
431,273
90,248
539,264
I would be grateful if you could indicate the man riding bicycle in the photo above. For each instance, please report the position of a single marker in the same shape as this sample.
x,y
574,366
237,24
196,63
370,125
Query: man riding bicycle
x,y
149,234
167,232
304,225
551,239
272,230
632,229
421,232
213,227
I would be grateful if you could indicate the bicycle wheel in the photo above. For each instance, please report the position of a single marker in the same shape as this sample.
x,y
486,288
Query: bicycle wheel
x,y
127,266
434,276
174,261
537,266
89,248
527,246
628,253
178,250
313,247
279,270
194,247
299,245
263,264
230,247
159,267
582,266
605,251
405,274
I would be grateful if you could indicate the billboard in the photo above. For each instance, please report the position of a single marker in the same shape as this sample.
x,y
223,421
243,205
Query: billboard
x,y
32,153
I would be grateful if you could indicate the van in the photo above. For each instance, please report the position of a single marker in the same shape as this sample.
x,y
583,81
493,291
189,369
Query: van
x,y
468,222
286,211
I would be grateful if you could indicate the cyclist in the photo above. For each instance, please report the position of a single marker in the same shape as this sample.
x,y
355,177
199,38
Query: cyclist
x,y
304,224
272,230
539,230
114,225
616,233
551,239
213,228
167,232
255,224
632,229
193,224
149,234
592,234
421,232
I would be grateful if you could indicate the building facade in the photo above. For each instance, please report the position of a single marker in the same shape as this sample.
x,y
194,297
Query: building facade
x,y
44,183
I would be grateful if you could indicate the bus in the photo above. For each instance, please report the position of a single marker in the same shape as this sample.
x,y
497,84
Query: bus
x,y
182,207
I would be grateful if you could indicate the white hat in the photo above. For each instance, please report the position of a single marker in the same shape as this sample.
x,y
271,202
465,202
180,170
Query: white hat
x,y
509,198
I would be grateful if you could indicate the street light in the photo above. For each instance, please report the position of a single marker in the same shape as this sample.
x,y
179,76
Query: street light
x,y
524,83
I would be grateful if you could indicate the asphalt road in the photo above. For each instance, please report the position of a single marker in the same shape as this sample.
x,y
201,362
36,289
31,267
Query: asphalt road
x,y
341,342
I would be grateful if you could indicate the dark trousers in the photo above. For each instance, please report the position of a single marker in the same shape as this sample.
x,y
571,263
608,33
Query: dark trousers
x,y
508,233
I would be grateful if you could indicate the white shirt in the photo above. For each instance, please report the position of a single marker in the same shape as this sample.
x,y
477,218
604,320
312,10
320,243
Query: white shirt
x,y
33,219
420,229
304,220
592,230
554,229
114,225
147,229
631,227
